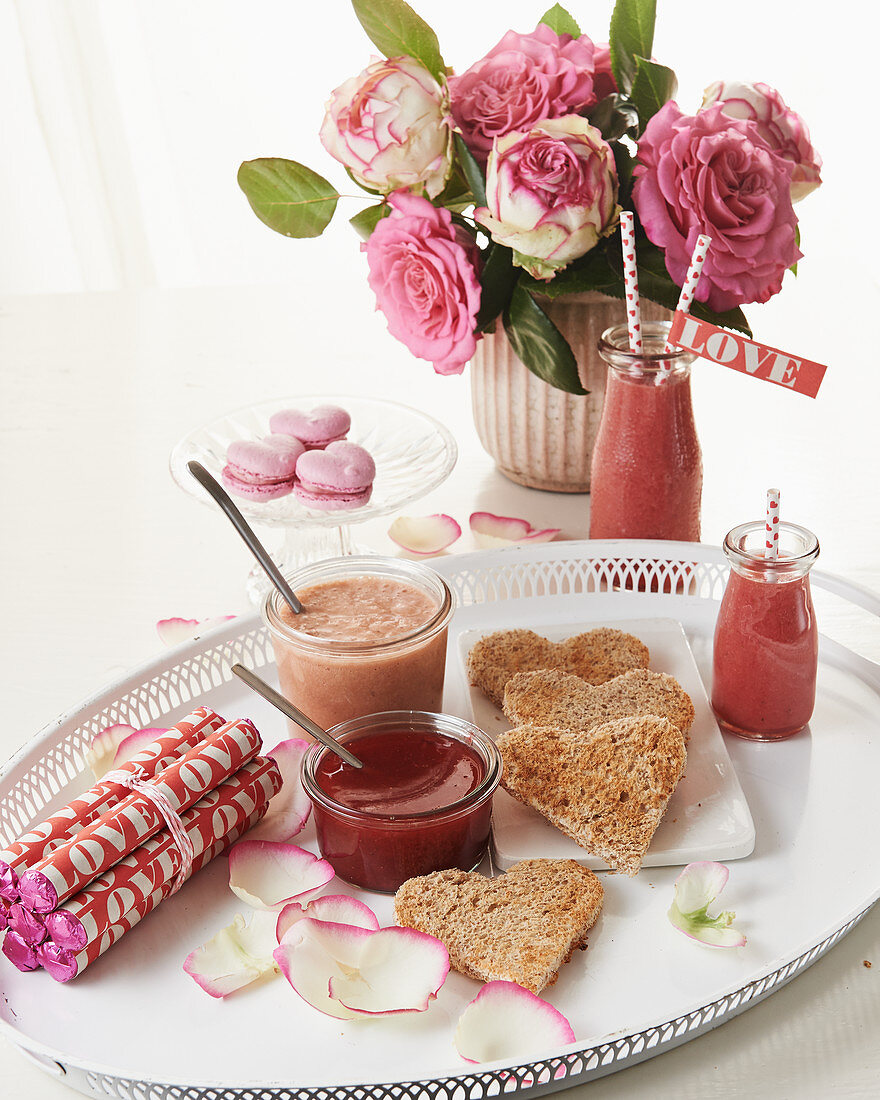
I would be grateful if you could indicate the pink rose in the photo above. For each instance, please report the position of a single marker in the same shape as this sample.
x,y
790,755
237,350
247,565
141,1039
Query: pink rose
x,y
551,194
524,79
604,83
390,127
783,129
423,273
710,173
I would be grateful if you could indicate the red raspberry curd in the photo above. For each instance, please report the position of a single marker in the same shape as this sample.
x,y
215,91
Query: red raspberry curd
x,y
421,802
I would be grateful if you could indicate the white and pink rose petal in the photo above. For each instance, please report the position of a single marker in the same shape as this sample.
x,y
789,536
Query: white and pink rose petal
x,y
491,531
289,809
506,1021
332,908
239,954
173,632
696,888
424,535
269,874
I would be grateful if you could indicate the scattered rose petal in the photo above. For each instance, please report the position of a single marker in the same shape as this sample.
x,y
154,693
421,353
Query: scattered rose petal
x,y
102,751
136,742
698,885
289,809
236,956
424,535
267,874
496,531
346,971
333,908
506,1021
174,632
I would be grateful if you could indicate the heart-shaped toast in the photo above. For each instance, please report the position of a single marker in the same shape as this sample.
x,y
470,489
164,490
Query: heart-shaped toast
x,y
552,698
607,787
519,927
595,656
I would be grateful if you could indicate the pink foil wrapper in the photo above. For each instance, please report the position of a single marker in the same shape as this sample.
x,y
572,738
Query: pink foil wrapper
x,y
126,825
20,954
90,923
36,844
27,924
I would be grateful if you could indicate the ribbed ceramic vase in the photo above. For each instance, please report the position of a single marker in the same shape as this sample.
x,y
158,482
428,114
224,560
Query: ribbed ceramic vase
x,y
540,436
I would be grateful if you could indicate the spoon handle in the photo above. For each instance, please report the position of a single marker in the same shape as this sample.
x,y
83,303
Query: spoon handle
x,y
212,486
277,700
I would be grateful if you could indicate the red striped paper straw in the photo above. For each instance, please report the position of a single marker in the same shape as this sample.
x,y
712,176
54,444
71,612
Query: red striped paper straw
x,y
631,280
691,282
771,526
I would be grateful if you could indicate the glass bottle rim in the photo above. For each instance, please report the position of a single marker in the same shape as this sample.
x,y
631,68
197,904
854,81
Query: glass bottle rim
x,y
614,348
744,547
458,729
413,572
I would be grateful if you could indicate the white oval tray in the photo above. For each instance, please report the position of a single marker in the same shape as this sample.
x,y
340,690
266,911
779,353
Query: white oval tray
x,y
135,1026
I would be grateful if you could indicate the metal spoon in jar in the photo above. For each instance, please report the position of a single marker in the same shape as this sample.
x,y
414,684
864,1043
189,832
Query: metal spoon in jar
x,y
241,525
295,714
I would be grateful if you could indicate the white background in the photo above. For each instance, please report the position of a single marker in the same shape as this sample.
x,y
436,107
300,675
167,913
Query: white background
x,y
140,297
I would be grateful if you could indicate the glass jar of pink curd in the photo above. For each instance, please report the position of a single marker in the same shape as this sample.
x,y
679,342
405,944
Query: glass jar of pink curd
x,y
371,637
766,640
647,468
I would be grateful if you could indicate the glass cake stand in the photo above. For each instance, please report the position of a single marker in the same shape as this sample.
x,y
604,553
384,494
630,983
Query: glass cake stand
x,y
413,453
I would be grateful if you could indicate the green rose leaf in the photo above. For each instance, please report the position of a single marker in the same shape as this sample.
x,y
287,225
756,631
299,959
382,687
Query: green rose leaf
x,y
613,117
497,281
539,344
471,170
631,36
653,86
589,272
287,196
395,29
561,21
366,221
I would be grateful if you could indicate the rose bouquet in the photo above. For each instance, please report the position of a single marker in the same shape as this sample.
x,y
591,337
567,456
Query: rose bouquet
x,y
499,188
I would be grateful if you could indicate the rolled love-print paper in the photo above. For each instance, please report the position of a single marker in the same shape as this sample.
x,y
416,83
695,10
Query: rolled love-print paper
x,y
125,826
36,844
88,924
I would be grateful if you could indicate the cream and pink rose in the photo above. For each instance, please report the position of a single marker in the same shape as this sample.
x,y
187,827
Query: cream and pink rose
x,y
551,194
524,79
391,128
710,173
783,129
423,273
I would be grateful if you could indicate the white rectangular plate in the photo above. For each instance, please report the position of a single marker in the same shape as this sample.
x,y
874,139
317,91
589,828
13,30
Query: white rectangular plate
x,y
707,817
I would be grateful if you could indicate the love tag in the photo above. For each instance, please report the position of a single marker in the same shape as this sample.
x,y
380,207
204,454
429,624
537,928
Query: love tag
x,y
734,350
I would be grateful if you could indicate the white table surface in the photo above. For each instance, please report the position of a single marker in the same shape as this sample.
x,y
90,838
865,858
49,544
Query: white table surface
x,y
98,544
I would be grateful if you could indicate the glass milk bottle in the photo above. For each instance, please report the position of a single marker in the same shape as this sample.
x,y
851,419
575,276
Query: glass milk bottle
x,y
647,469
766,641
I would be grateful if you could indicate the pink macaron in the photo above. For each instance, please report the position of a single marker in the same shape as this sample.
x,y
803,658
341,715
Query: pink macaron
x,y
324,424
338,477
262,469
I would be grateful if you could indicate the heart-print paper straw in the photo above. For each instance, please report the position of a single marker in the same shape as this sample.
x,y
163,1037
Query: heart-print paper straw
x,y
90,923
631,280
130,822
771,526
36,844
691,282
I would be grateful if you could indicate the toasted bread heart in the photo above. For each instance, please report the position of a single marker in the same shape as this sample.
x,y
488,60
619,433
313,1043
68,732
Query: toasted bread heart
x,y
519,927
595,656
551,698
607,787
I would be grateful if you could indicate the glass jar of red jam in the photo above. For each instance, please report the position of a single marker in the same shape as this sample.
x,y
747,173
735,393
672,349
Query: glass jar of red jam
x,y
766,642
646,478
422,801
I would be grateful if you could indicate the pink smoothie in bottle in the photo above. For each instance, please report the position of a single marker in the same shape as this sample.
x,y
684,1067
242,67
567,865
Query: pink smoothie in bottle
x,y
766,640
647,469
372,637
